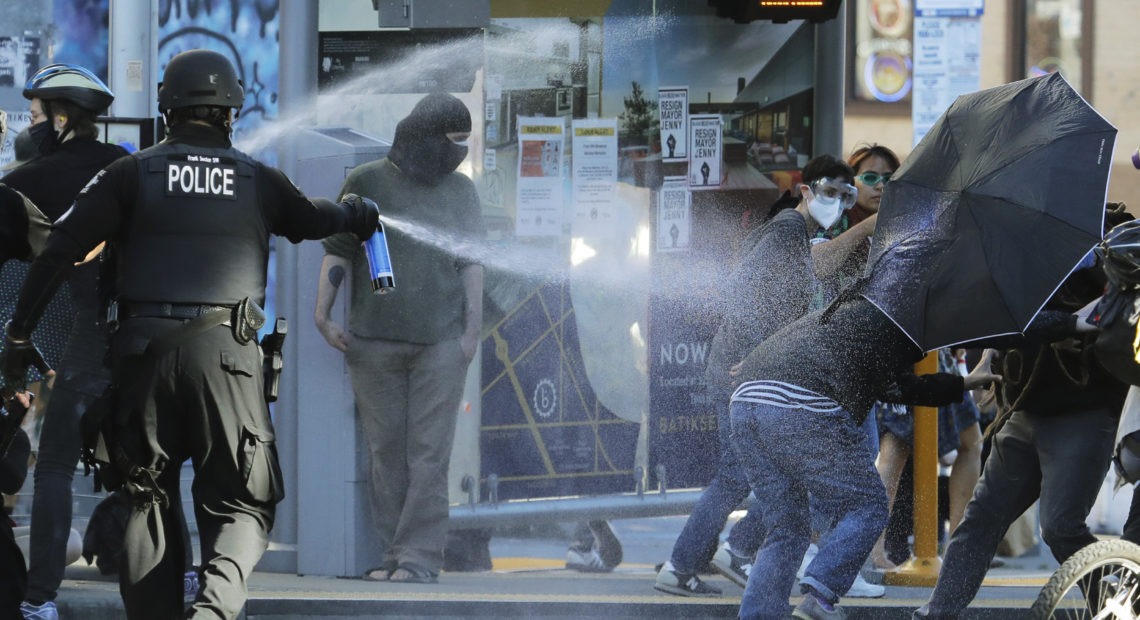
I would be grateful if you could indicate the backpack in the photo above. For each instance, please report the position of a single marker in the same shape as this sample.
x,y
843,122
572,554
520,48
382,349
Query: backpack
x,y
1115,348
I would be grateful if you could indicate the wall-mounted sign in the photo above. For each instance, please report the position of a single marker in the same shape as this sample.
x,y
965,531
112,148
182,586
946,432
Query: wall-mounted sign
x,y
594,168
947,64
539,199
949,8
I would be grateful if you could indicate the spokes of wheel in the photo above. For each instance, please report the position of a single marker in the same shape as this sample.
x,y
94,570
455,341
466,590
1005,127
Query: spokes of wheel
x,y
1101,581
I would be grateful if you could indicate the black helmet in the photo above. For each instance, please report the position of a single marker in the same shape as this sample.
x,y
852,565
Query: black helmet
x,y
70,82
1120,252
199,77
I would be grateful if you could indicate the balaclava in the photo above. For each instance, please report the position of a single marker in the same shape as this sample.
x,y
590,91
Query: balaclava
x,y
421,147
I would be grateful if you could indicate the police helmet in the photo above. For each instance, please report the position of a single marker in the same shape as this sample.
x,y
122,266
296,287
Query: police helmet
x,y
199,78
1120,253
70,82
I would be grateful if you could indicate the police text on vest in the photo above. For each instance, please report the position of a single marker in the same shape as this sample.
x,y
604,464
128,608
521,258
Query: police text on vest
x,y
200,176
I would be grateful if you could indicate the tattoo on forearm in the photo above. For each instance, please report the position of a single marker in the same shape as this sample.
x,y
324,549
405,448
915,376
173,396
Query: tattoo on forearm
x,y
336,275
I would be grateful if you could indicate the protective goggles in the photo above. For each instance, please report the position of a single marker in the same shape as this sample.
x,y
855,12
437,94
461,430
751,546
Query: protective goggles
x,y
830,190
870,179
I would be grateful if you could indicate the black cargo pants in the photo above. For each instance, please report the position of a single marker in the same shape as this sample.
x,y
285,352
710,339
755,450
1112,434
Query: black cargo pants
x,y
202,401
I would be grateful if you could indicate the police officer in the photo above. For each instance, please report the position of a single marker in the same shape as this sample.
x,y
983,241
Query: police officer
x,y
189,221
64,101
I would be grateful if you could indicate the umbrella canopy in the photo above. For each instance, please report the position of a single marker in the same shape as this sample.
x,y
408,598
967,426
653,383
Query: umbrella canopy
x,y
990,213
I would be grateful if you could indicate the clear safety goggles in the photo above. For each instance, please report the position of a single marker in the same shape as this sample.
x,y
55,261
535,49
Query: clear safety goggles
x,y
829,190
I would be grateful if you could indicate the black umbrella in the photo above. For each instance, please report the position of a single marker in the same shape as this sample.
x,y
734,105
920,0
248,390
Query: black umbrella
x,y
991,211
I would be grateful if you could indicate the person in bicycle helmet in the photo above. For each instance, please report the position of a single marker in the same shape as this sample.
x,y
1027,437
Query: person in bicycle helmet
x,y
64,101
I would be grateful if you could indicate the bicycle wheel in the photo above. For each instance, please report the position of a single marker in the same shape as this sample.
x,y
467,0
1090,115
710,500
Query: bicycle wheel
x,y
1101,581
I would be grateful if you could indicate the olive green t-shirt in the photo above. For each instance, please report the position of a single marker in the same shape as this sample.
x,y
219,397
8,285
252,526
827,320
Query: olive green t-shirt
x,y
433,231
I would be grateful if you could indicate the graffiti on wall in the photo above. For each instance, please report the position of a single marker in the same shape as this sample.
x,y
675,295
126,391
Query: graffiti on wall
x,y
81,38
245,31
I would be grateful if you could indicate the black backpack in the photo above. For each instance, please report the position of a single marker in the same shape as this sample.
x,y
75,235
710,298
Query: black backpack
x,y
1116,315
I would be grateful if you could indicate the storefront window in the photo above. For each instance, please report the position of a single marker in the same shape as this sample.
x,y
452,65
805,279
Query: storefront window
x,y
1057,40
880,72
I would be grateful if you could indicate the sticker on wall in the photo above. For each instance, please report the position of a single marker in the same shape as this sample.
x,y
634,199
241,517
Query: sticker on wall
x,y
706,159
673,108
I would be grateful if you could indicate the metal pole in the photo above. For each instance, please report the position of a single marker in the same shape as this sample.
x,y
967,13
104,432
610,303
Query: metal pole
x,y
133,62
828,100
297,88
923,568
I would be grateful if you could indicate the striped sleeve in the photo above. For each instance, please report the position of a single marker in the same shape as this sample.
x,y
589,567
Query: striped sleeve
x,y
783,395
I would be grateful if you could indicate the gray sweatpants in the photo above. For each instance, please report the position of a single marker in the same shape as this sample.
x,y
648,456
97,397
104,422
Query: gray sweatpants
x,y
407,399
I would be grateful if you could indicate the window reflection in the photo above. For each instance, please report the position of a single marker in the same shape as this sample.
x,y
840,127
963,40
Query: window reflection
x,y
1053,39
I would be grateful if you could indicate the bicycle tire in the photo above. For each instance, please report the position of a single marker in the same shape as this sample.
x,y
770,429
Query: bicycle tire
x,y
1113,565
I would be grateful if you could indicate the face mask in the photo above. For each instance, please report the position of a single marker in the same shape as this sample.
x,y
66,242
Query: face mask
x,y
43,136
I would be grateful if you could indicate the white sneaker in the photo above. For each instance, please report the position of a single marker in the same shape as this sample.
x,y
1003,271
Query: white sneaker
x,y
862,589
681,584
586,561
812,550
43,611
732,566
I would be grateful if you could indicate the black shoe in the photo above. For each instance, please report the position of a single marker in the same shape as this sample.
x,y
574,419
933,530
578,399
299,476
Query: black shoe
x,y
606,542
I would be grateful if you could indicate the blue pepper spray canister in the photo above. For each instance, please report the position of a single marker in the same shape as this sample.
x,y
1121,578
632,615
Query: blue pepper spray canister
x,y
379,262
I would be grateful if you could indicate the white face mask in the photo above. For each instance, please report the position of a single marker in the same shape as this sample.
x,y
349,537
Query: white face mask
x,y
825,212
829,199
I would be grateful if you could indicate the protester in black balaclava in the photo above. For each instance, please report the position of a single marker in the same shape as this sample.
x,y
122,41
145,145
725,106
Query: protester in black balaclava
x,y
408,350
422,147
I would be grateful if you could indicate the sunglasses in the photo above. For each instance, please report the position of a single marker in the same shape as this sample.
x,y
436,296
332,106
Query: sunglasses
x,y
873,178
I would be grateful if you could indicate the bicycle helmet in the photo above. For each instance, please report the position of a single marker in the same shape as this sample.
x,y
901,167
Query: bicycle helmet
x,y
199,78
1119,251
70,82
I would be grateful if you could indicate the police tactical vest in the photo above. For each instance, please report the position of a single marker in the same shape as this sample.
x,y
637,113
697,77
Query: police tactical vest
x,y
197,234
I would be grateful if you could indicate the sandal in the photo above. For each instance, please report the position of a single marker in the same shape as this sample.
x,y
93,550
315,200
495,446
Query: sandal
x,y
379,573
409,572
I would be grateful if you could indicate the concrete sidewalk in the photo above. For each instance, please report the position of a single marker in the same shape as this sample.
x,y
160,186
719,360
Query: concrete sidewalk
x,y
535,587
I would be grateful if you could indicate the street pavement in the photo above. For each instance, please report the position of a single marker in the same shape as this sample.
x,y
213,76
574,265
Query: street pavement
x,y
529,580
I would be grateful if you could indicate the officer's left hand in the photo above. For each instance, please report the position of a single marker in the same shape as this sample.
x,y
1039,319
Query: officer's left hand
x,y
14,362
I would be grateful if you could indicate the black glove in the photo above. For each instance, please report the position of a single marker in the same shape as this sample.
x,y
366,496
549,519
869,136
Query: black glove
x,y
14,362
13,225
11,417
363,215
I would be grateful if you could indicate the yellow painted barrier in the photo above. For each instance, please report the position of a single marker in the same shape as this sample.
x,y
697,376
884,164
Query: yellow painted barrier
x,y
922,569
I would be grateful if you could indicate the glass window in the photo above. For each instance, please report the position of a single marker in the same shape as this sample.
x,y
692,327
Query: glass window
x,y
880,55
1057,40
